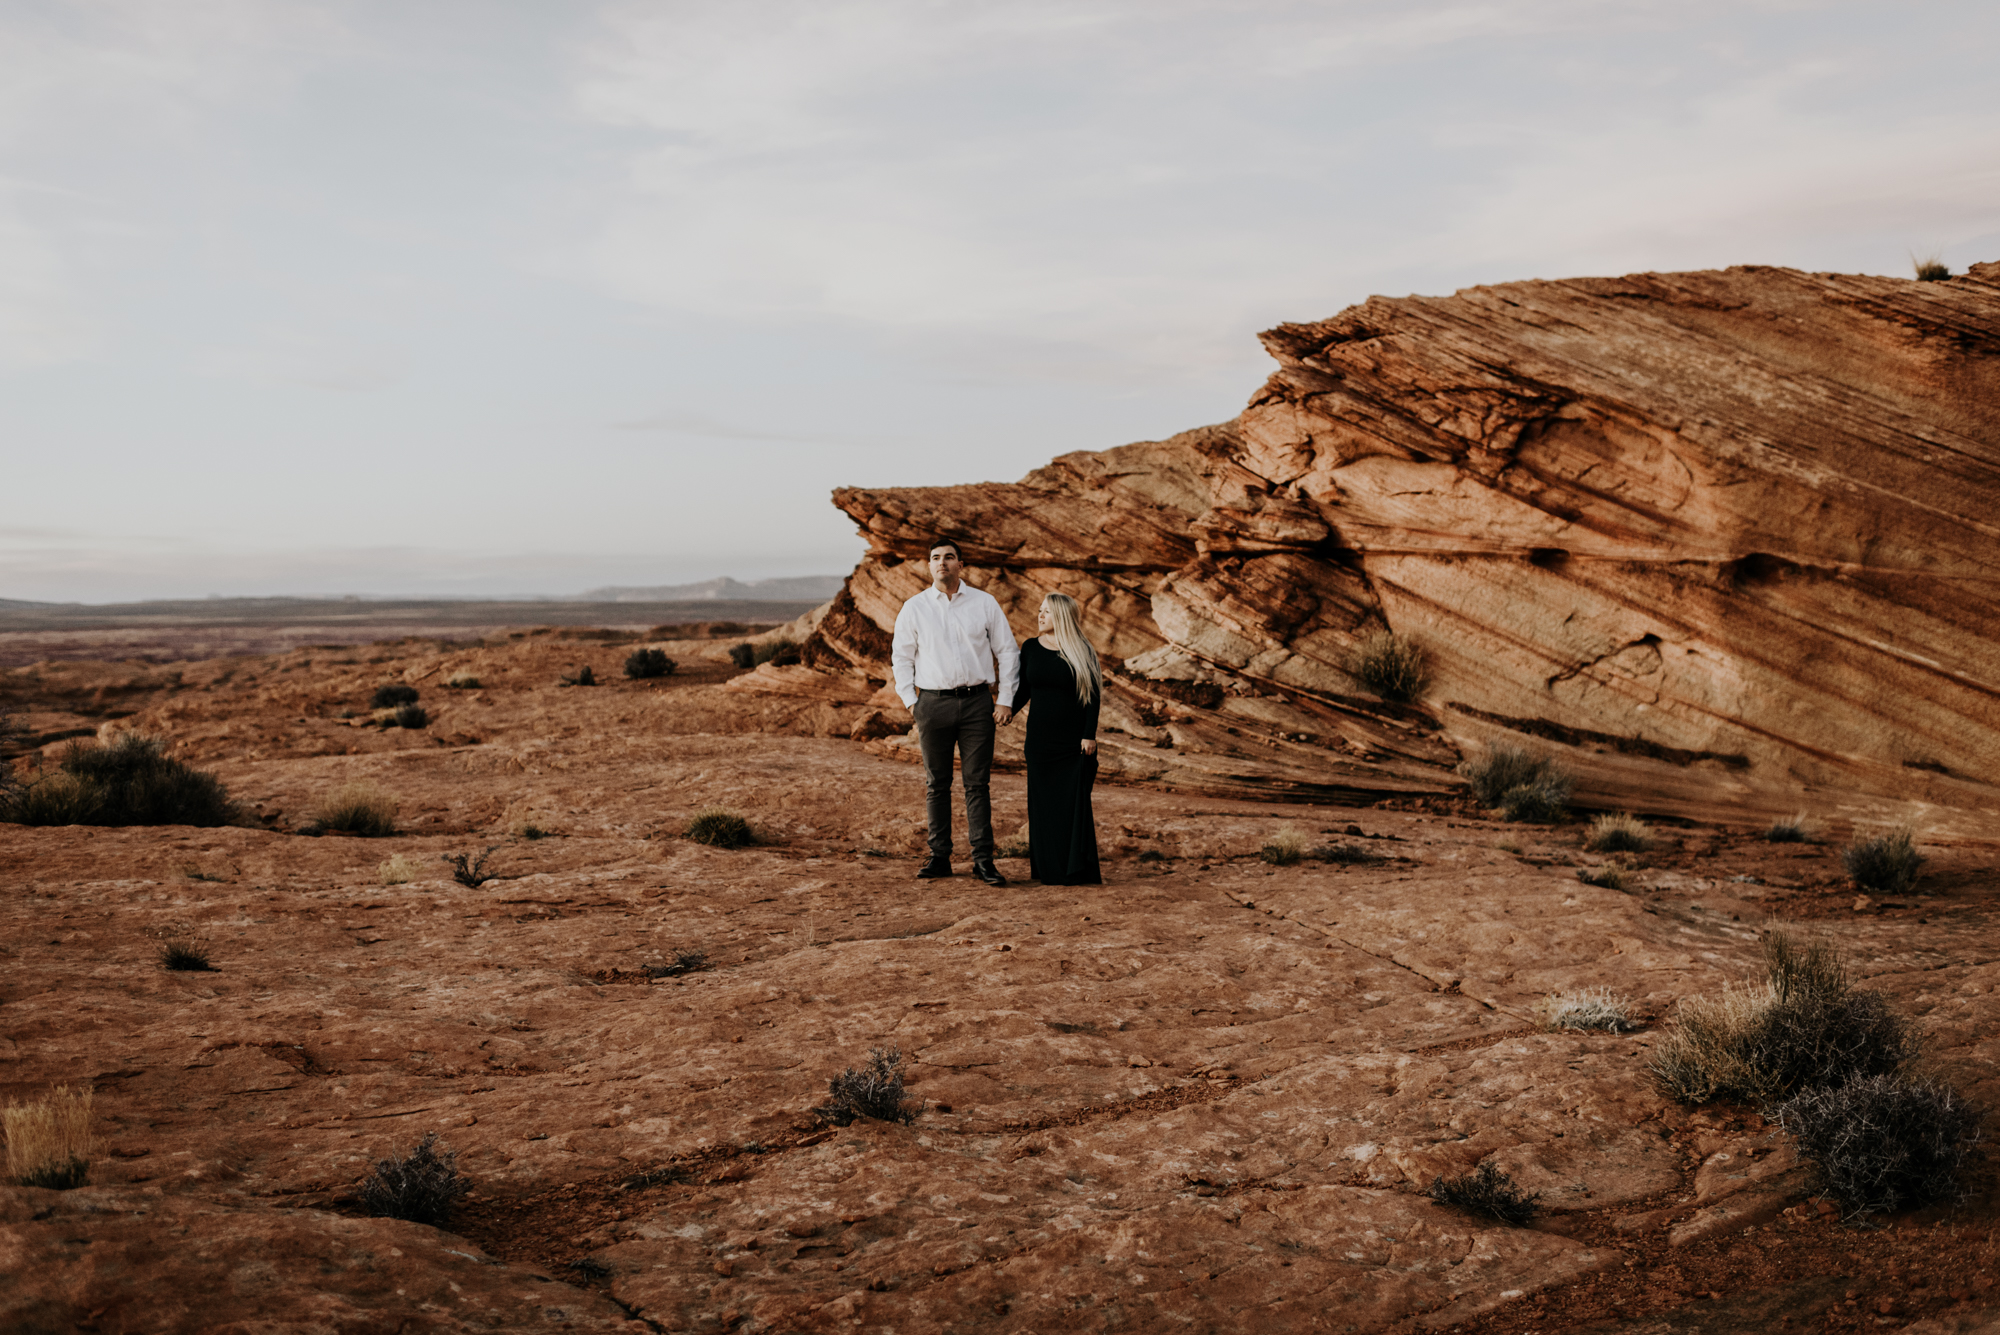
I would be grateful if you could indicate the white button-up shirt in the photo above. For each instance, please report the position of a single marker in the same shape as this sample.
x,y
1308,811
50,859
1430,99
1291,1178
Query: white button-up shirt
x,y
946,642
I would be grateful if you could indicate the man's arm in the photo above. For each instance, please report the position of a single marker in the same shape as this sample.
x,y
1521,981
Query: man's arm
x,y
1008,654
903,656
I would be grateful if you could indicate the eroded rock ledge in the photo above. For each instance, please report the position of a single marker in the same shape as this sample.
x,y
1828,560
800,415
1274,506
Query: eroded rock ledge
x,y
1725,541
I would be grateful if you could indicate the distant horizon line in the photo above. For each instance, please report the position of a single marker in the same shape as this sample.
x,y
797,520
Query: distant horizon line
x,y
721,588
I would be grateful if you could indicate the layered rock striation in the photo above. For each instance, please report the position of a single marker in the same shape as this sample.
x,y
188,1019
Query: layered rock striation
x,y
1724,542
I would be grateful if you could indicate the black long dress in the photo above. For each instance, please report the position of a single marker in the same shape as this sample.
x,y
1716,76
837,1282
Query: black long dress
x,y
1062,834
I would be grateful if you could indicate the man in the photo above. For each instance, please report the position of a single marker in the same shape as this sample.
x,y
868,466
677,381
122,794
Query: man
x,y
948,639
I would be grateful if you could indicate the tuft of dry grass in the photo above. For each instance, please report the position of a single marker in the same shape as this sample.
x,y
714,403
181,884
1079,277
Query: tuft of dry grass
x,y
48,1142
1587,1008
720,829
1884,864
1790,830
1391,665
1286,847
1488,1192
875,1091
1622,833
1931,268
1610,878
399,869
363,808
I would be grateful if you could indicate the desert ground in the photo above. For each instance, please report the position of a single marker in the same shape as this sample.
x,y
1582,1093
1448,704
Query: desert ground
x,y
1208,1095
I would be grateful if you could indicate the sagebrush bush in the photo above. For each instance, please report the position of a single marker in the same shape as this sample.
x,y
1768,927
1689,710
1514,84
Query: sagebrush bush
x,y
1623,833
876,1090
642,664
421,1187
49,1144
743,655
1486,1191
1587,1008
1284,848
1930,269
1884,864
410,716
356,808
390,694
1542,802
1790,830
1804,1027
720,829
130,780
1884,1142
1391,665
1501,769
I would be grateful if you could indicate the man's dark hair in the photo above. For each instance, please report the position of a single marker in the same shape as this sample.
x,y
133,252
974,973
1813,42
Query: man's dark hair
x,y
952,543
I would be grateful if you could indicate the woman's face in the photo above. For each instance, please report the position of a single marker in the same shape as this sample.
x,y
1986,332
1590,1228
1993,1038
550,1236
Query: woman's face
x,y
1045,618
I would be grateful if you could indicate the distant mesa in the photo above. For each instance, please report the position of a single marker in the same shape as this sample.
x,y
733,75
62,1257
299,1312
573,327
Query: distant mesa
x,y
1721,542
796,588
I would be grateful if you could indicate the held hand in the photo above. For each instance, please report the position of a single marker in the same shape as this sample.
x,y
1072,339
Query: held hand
x,y
1003,716
1089,745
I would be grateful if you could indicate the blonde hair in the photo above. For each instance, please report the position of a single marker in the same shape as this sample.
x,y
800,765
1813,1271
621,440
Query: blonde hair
x,y
1075,650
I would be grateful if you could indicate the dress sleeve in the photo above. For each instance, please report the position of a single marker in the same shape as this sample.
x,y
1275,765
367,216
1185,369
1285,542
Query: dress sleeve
x,y
1020,699
1087,717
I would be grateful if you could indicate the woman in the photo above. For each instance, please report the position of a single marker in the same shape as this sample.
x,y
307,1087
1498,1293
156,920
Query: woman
x,y
1061,679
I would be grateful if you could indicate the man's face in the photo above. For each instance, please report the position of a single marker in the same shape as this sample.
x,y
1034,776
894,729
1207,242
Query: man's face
x,y
945,565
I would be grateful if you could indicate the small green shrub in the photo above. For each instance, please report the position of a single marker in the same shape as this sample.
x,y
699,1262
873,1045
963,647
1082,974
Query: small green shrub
x,y
1791,830
1390,665
720,829
1930,269
129,781
1618,834
49,1144
410,716
421,1187
1884,864
468,871
1587,1008
355,808
1884,1143
1542,802
876,1091
391,694
1501,769
644,664
1488,1192
183,952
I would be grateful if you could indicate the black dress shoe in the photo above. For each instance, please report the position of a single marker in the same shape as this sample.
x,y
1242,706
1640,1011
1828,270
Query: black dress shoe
x,y
935,869
984,869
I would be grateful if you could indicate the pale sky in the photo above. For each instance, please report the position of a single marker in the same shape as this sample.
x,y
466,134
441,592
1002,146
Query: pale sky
x,y
528,296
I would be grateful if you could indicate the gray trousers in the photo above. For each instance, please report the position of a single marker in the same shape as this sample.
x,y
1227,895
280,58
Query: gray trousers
x,y
965,722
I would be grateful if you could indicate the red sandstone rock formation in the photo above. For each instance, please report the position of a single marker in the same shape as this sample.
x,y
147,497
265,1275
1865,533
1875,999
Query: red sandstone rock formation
x,y
1723,541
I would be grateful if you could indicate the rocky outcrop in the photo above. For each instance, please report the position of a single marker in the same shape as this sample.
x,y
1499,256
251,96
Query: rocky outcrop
x,y
1724,541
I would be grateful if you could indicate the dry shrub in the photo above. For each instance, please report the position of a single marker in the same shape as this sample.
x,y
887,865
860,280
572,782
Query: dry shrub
x,y
1611,878
469,871
1486,1191
421,1187
1930,269
1884,864
410,716
644,664
1286,847
48,1142
1623,833
720,829
1587,1008
364,809
463,681
876,1090
1790,830
398,870
1347,855
182,950
1390,665
391,694
1526,786
1884,1142
1804,1027
130,780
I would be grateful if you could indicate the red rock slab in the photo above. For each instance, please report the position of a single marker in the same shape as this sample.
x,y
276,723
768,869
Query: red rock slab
x,y
122,1259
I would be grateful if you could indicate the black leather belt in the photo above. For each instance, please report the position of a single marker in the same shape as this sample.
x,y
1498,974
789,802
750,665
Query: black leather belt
x,y
964,691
